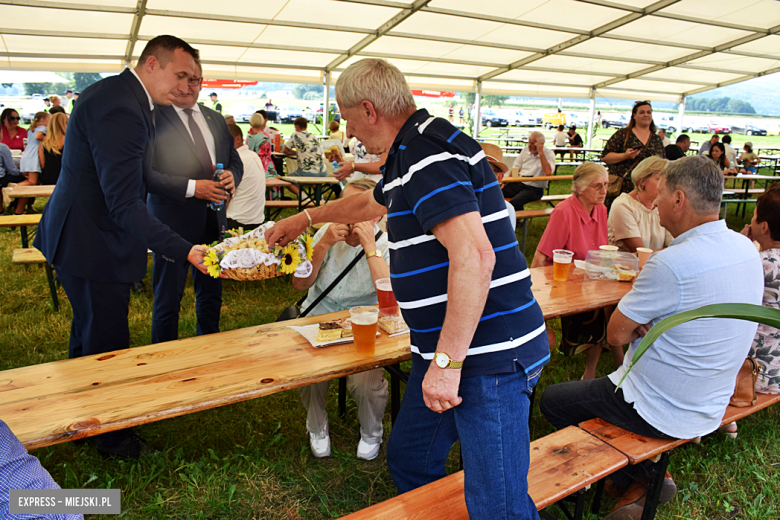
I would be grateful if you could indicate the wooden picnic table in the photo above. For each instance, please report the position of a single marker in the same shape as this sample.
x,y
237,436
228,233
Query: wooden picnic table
x,y
310,187
276,182
17,192
539,178
70,399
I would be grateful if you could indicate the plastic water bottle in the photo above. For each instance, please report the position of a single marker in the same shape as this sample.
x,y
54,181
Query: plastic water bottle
x,y
216,206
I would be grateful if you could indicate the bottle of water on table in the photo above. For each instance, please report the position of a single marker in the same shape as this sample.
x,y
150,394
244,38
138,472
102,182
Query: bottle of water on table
x,y
216,206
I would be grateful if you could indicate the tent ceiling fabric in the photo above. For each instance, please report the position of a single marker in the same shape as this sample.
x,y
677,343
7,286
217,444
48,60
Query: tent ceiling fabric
x,y
648,49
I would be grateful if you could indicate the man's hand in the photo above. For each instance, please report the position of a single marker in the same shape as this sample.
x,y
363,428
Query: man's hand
x,y
344,171
642,330
227,181
287,230
210,190
196,256
440,388
539,147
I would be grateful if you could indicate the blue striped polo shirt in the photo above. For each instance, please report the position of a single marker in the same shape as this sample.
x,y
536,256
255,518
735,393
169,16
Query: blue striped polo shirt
x,y
433,173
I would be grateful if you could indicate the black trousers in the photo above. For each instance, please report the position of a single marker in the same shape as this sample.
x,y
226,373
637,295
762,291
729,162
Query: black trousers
x,y
99,325
168,281
235,224
568,404
521,194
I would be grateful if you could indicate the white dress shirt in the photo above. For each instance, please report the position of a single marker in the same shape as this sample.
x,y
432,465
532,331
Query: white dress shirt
x,y
248,205
529,165
200,120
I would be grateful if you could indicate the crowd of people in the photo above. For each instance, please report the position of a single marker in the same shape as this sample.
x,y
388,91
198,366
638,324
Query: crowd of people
x,y
478,337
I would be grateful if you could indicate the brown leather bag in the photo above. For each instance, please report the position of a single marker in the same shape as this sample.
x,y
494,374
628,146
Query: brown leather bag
x,y
745,389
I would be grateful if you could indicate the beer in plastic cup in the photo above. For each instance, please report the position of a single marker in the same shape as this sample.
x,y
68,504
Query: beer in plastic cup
x,y
561,261
385,297
364,323
644,255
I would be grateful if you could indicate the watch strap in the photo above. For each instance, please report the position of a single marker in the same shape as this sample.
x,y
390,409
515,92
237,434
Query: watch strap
x,y
376,252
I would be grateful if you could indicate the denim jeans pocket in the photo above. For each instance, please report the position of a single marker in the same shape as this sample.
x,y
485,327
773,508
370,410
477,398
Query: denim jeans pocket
x,y
533,378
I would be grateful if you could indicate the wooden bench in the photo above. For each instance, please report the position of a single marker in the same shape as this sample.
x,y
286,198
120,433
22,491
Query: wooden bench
x,y
639,448
31,256
525,216
274,208
22,222
563,463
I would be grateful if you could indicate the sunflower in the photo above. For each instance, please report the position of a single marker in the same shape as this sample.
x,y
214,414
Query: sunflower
x,y
308,241
211,261
290,259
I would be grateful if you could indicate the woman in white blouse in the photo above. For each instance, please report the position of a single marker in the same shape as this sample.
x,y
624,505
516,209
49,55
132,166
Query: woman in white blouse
x,y
633,220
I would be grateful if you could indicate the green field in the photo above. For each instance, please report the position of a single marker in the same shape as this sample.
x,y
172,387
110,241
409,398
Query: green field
x,y
252,461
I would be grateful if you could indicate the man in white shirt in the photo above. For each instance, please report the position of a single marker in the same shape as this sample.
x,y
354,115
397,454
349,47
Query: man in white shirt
x,y
534,161
662,135
247,208
681,387
731,153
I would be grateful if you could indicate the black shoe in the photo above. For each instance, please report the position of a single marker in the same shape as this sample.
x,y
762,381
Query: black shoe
x,y
132,448
138,287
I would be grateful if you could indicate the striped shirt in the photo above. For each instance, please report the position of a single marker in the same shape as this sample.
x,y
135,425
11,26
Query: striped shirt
x,y
434,173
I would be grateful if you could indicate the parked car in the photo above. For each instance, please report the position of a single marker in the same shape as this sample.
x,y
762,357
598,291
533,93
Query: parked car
x,y
748,129
667,123
288,113
316,117
552,119
699,127
519,118
30,107
491,118
718,128
242,111
614,121
578,120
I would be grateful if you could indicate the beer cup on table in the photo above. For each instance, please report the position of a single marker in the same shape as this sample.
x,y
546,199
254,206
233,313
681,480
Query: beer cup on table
x,y
561,262
644,255
364,324
385,297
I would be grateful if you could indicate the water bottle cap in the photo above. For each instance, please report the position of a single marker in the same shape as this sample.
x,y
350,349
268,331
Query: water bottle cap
x,y
219,166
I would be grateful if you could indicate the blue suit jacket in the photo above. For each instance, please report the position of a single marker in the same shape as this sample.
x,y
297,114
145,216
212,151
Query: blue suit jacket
x,y
96,225
175,161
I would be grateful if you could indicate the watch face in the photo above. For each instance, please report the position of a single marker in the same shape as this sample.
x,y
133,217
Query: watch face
x,y
441,360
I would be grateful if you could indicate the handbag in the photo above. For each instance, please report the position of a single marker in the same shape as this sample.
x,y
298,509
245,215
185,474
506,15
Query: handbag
x,y
293,311
615,186
745,388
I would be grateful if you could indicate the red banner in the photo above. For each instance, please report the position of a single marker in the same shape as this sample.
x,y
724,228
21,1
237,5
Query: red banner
x,y
226,83
432,93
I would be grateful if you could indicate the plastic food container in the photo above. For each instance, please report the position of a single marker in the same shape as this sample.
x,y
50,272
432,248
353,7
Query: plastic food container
x,y
611,265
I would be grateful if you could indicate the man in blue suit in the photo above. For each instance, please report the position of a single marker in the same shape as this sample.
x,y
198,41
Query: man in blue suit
x,y
96,229
190,140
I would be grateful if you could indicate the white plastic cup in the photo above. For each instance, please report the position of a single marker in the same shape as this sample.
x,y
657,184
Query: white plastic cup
x,y
608,248
644,255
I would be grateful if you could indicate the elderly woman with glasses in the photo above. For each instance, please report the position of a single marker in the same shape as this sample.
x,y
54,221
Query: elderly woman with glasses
x,y
633,218
579,224
11,134
628,147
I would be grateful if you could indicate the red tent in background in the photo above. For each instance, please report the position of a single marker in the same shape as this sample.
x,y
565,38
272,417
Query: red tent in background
x,y
226,83
432,93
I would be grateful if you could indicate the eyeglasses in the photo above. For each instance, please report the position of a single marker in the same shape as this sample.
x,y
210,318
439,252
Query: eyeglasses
x,y
645,102
599,187
12,118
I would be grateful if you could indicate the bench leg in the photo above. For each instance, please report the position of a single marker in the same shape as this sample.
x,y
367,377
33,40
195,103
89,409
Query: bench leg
x,y
342,396
23,230
525,234
577,499
596,504
52,287
656,483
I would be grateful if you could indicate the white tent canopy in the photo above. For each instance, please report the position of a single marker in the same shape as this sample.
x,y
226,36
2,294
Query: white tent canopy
x,y
634,49
19,76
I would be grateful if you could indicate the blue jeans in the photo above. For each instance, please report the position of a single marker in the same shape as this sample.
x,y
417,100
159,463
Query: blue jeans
x,y
492,425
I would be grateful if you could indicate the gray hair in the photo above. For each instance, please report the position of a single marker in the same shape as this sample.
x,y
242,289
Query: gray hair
x,y
700,178
536,136
376,81
647,168
585,173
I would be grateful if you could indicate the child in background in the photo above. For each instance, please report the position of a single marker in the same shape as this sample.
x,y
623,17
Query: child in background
x,y
748,159
335,133
30,165
560,141
50,150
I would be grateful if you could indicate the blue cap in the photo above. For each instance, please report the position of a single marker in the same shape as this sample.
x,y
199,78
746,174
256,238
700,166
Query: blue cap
x,y
219,166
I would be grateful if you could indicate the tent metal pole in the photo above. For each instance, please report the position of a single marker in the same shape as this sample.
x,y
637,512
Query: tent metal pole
x,y
591,116
681,115
478,109
326,106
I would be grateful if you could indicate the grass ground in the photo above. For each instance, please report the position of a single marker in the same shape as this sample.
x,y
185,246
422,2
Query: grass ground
x,y
251,460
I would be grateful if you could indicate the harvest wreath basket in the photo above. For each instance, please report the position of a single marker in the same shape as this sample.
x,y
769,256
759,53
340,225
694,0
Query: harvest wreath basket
x,y
246,256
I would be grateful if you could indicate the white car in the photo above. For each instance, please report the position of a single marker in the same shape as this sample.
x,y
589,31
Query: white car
x,y
519,118
288,113
30,107
578,120
242,111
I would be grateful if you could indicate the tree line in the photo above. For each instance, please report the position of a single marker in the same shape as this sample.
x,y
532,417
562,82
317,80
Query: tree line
x,y
721,104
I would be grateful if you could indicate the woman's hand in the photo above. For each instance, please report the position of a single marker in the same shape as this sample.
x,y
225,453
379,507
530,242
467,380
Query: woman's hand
x,y
746,231
631,153
334,234
364,231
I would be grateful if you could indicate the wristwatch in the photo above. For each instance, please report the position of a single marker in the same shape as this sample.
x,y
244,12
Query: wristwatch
x,y
442,360
374,253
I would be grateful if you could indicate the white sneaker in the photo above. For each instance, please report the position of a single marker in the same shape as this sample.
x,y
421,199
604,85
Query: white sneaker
x,y
320,443
368,451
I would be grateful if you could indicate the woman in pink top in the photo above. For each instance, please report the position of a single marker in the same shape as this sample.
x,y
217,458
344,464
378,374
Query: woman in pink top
x,y
11,134
579,224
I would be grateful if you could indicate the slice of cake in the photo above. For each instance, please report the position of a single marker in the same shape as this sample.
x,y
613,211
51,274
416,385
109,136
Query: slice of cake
x,y
392,323
346,328
329,331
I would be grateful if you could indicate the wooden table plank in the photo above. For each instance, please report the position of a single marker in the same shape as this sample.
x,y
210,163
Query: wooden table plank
x,y
539,178
29,191
276,182
69,399
636,447
562,463
20,220
310,180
